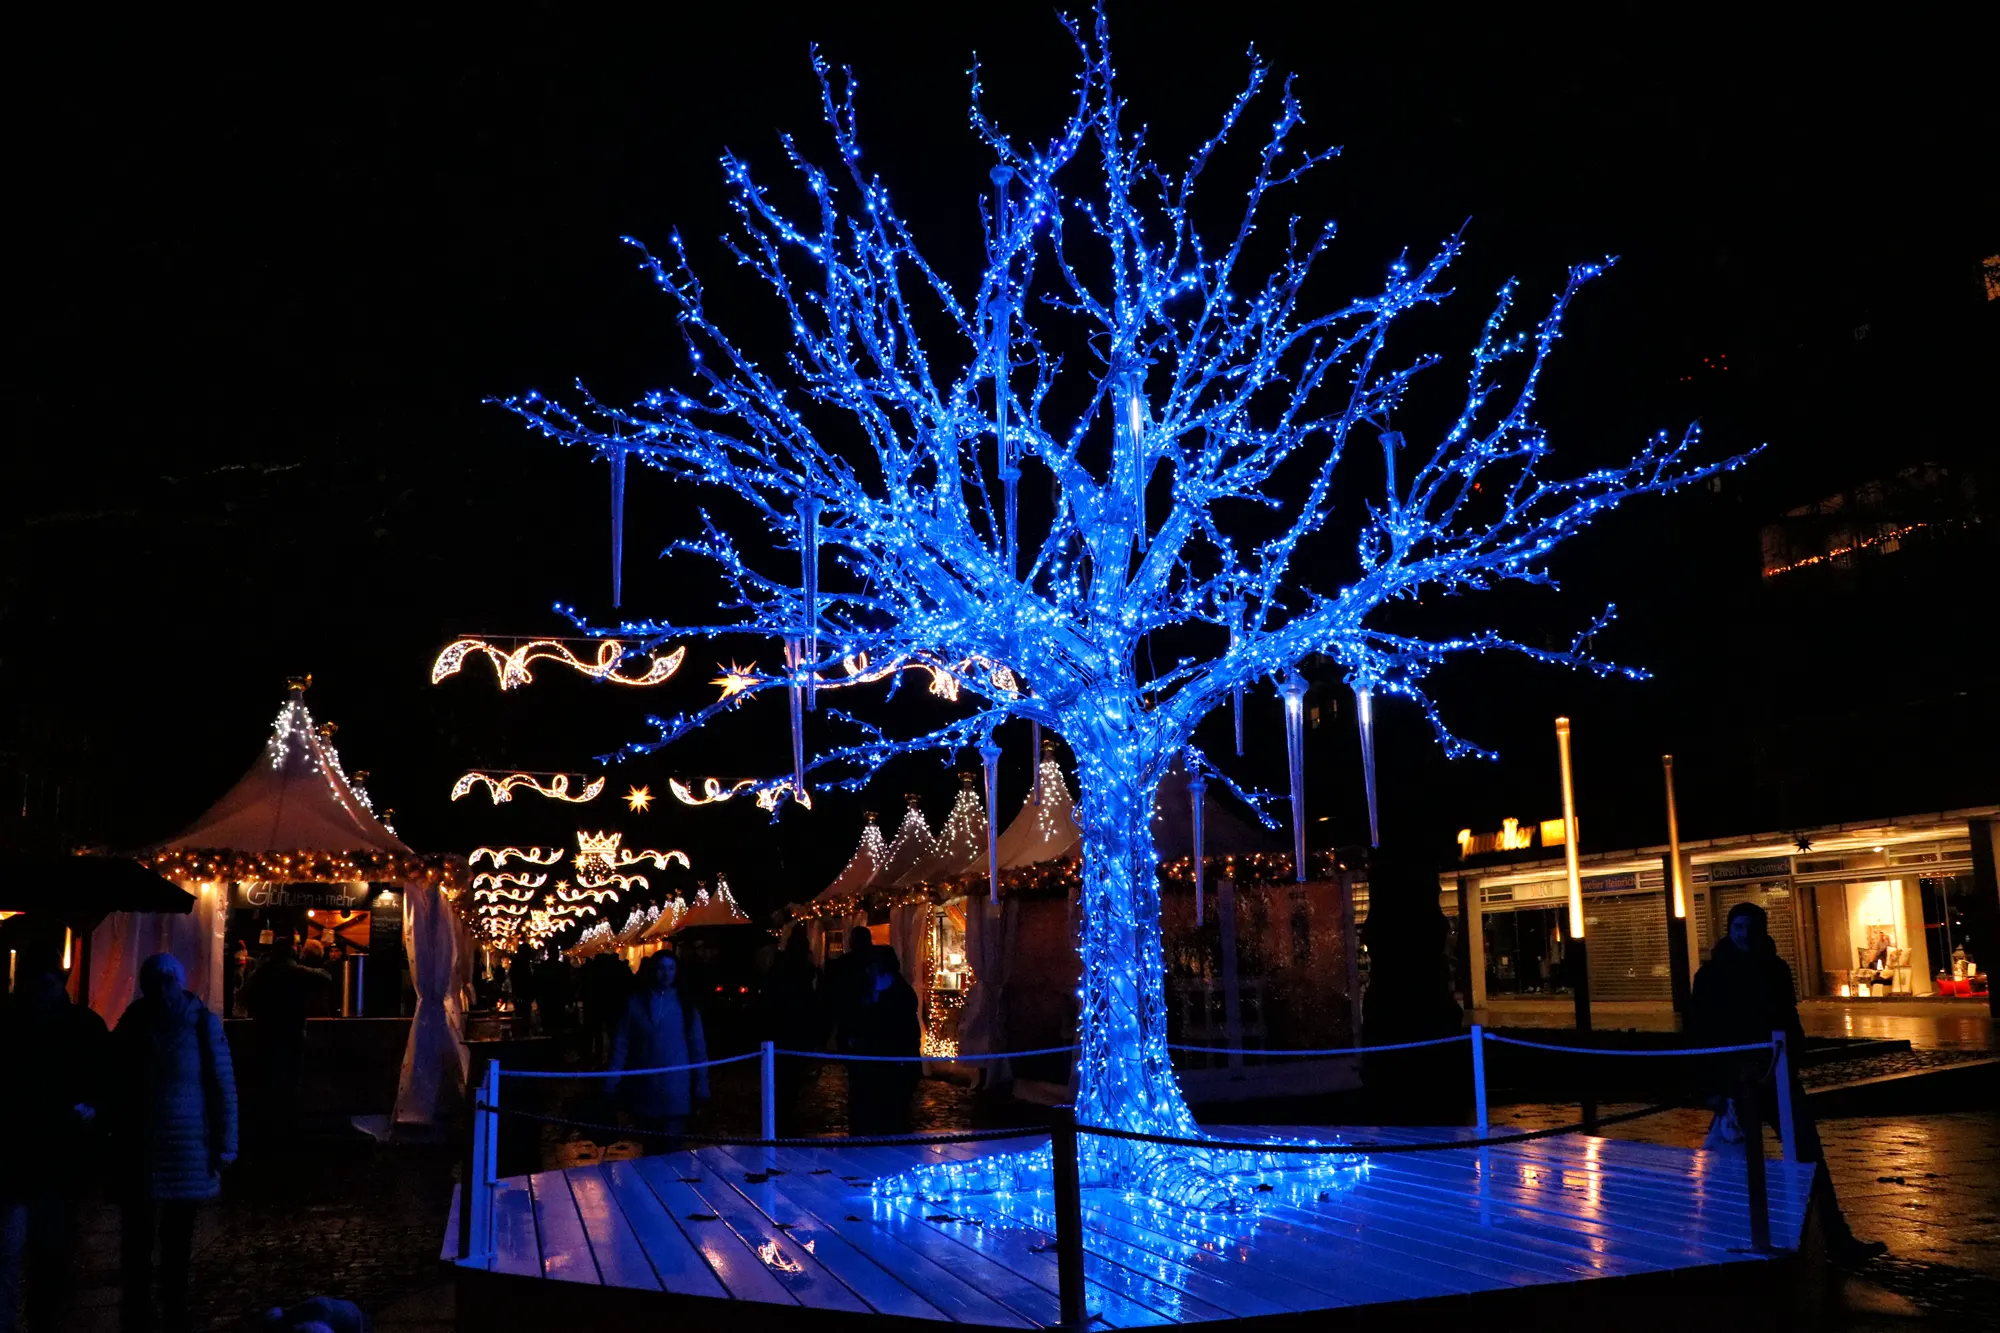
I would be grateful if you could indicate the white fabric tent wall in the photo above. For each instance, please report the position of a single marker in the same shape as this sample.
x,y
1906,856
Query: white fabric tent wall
x,y
990,931
909,936
435,1059
124,940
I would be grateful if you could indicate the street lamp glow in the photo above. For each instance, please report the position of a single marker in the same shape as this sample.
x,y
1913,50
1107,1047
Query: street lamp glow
x,y
1673,839
1569,835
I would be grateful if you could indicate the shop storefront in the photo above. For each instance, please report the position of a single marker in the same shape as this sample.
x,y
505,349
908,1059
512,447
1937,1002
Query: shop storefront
x,y
1893,920
1524,935
1878,911
351,931
1765,882
950,977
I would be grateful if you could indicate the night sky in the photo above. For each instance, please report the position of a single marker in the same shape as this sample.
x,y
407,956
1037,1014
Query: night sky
x,y
263,278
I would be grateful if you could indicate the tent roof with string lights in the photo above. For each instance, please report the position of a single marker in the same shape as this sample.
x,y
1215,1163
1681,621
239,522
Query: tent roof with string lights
x,y
295,797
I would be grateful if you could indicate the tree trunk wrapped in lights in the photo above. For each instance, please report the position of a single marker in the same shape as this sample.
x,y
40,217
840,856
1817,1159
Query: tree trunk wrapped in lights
x,y
1210,380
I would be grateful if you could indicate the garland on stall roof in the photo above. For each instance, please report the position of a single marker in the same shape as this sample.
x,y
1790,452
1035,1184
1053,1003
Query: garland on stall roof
x,y
1057,878
203,865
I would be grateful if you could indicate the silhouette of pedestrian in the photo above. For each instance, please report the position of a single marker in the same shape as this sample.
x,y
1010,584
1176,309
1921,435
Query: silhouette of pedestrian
x,y
888,1026
661,1028
52,1053
1743,994
792,1018
281,995
173,1123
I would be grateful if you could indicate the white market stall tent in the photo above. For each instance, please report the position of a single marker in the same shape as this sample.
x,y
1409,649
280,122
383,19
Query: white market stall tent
x,y
296,840
954,945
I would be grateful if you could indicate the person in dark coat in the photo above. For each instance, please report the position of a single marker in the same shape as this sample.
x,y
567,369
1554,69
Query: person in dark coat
x,y
521,982
281,995
1743,994
173,1130
54,1054
320,999
792,1019
896,1029
846,992
888,1026
555,991
605,987
660,1028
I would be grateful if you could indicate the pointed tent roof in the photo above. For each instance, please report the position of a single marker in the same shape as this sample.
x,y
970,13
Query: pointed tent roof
x,y
1047,831
862,866
960,846
914,843
706,909
717,908
296,797
1224,831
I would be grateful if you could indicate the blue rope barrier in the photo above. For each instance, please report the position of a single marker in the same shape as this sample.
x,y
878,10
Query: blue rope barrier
x,y
1593,1050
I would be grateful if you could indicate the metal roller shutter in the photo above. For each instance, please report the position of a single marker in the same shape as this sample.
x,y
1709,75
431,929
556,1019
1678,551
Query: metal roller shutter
x,y
1627,935
1776,900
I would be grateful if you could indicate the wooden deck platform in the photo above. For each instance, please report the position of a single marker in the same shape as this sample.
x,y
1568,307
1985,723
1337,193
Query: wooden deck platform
x,y
1547,1228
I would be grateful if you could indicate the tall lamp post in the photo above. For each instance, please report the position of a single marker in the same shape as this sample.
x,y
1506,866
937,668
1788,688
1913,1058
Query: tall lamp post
x,y
1580,966
1676,883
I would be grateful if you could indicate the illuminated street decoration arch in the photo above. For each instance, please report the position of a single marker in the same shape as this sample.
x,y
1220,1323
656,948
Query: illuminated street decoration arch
x,y
512,665
556,788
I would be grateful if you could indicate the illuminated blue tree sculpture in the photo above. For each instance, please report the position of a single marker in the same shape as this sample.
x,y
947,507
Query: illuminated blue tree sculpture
x,y
1187,407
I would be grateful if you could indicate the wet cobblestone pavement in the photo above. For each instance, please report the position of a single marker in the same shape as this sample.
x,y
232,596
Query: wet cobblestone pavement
x,y
347,1218
1836,1072
1928,1186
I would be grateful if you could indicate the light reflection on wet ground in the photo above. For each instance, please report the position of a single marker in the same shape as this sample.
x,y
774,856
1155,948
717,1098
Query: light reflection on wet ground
x,y
1925,1024
1926,1185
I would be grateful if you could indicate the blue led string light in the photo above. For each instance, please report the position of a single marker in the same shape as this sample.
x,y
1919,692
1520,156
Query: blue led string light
x,y
898,544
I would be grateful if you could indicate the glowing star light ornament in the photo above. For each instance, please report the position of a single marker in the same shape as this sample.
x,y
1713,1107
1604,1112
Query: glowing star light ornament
x,y
640,799
512,665
1165,360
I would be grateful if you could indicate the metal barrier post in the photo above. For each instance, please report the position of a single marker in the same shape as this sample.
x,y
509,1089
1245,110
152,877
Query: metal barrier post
x,y
767,1088
468,1175
1750,1116
1479,1072
490,1175
1069,1220
1782,1071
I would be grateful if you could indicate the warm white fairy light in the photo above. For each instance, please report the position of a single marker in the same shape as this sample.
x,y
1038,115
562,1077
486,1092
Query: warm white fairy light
x,y
500,856
512,665
502,788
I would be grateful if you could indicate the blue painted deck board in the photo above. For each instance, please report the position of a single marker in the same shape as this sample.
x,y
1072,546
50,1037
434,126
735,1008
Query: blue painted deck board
x,y
676,1262
799,1226
516,1248
732,1259
803,1239
621,1260
566,1253
1121,1298
793,1197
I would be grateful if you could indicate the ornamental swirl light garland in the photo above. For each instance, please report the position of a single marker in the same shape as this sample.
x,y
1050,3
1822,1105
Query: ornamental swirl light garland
x,y
502,789
512,665
1213,381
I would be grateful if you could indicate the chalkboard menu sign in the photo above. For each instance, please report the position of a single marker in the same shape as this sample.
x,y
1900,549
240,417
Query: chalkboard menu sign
x,y
337,897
